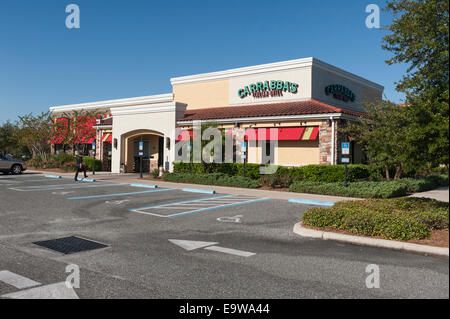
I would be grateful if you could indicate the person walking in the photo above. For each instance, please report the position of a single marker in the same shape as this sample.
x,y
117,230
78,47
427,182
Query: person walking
x,y
80,167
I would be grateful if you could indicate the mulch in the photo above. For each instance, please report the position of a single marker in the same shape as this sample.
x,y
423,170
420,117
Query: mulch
x,y
438,238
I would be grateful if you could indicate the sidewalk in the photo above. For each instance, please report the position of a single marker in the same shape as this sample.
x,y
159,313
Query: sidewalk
x,y
440,194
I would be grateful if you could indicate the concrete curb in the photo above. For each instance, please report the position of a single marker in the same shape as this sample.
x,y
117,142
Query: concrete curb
x,y
372,242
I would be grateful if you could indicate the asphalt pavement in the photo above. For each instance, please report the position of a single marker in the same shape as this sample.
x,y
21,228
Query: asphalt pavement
x,y
168,243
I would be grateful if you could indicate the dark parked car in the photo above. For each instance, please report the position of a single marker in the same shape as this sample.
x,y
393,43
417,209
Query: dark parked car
x,y
11,165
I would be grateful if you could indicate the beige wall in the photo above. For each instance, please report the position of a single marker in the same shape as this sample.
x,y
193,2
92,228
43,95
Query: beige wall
x,y
289,153
297,153
127,125
321,79
203,94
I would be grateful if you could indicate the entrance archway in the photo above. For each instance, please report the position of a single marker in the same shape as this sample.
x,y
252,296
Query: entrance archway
x,y
153,143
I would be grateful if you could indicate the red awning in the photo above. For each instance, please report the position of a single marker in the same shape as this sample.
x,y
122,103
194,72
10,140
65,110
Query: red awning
x,y
107,138
282,134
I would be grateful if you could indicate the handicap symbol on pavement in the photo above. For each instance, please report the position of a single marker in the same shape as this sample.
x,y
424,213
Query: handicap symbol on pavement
x,y
234,219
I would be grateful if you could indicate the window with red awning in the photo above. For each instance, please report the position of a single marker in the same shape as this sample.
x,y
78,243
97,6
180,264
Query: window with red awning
x,y
303,133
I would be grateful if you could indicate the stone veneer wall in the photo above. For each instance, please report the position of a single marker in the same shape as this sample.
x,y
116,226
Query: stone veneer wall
x,y
340,138
325,132
325,142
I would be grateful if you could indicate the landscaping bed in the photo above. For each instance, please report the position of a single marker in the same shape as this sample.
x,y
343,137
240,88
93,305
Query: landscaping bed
x,y
217,179
359,189
50,170
408,219
62,163
313,179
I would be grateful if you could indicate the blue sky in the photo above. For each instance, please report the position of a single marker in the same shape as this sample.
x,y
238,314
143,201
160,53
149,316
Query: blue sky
x,y
132,48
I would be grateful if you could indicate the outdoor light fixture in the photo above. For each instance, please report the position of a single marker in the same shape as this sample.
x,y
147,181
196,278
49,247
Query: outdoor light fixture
x,y
115,143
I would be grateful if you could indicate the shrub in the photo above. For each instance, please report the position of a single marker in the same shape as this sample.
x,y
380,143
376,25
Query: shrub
x,y
276,180
358,189
401,218
155,173
424,184
314,173
217,179
330,173
441,170
35,162
62,158
88,162
69,166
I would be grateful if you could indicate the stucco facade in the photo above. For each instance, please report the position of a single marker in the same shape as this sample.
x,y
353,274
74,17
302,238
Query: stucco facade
x,y
307,100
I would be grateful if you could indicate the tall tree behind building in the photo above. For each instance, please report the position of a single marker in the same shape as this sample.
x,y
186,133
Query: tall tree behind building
x,y
419,37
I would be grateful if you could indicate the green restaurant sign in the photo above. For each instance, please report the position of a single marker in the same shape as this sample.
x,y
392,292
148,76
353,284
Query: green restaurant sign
x,y
268,89
340,92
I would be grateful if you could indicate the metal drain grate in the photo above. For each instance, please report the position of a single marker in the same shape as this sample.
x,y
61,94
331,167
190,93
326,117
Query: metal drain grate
x,y
70,245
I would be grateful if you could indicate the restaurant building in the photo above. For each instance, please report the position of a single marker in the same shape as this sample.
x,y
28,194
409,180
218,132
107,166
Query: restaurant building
x,y
305,100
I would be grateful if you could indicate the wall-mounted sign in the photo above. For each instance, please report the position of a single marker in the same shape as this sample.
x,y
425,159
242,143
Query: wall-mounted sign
x,y
268,89
340,92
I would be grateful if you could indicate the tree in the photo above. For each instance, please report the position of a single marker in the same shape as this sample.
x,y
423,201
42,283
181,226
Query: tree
x,y
75,128
34,132
384,135
8,143
419,36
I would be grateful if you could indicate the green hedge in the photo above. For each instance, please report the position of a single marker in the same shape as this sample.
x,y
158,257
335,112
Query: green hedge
x,y
425,184
358,189
313,173
88,162
402,218
217,179
231,169
326,173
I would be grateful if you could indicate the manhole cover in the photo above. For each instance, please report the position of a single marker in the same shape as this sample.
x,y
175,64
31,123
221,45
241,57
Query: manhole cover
x,y
70,245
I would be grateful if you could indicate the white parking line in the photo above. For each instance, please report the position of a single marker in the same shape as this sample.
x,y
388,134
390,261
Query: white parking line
x,y
196,206
45,186
214,207
17,281
68,187
53,291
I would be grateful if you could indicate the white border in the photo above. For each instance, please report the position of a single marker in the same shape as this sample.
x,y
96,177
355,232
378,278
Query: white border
x,y
134,101
272,67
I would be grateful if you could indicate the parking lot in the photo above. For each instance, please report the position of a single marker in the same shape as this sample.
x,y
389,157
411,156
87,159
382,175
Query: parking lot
x,y
171,243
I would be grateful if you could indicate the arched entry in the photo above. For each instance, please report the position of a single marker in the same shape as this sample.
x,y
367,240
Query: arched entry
x,y
153,143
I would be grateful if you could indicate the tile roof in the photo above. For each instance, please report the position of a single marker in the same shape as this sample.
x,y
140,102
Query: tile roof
x,y
265,110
